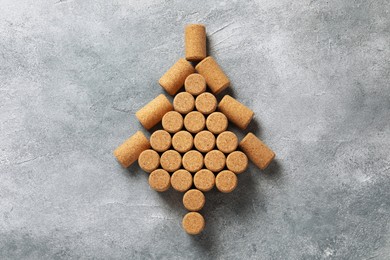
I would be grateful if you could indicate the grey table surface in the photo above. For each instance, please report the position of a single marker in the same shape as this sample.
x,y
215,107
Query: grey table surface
x,y
73,73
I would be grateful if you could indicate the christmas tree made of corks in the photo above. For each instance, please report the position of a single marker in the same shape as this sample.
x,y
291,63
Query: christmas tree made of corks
x,y
194,152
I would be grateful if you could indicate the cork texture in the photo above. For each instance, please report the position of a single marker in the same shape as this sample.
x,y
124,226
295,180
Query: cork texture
x,y
195,42
195,84
182,141
236,112
159,180
215,160
226,181
213,74
181,180
193,161
204,141
204,180
149,160
227,142
194,122
128,152
152,113
194,200
160,140
174,78
259,153
172,122
170,160
206,103
184,103
237,162
217,122
193,223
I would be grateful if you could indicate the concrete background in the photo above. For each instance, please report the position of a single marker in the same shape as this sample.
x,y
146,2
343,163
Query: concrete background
x,y
73,74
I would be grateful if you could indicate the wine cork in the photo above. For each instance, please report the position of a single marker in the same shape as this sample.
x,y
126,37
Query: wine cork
x,y
204,141
194,122
213,74
206,103
193,223
172,122
237,162
195,84
214,160
182,141
149,160
194,200
227,142
183,102
152,113
181,180
217,122
193,161
226,181
236,112
204,180
195,42
160,140
129,151
174,78
257,151
170,160
159,180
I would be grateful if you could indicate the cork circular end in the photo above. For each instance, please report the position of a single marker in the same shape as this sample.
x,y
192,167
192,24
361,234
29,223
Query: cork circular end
x,y
193,223
159,180
193,161
204,180
215,160
194,122
206,103
227,142
204,141
172,122
195,84
181,180
170,160
237,162
182,141
149,160
160,140
194,200
184,102
217,122
226,181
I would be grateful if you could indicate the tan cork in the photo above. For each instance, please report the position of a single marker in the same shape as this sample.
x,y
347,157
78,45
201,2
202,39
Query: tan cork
x,y
193,161
159,180
226,181
236,112
206,103
182,141
194,200
215,77
152,113
129,151
181,180
216,122
174,78
257,151
194,122
227,142
204,141
160,140
214,160
195,84
195,42
170,161
237,162
204,180
149,160
172,122
184,102
193,223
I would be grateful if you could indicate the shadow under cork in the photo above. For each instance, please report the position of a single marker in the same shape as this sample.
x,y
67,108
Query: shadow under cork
x,y
273,171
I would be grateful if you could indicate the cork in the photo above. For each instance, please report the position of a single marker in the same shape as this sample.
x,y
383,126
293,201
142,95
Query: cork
x,y
227,142
236,112
170,160
213,74
193,161
160,140
172,122
214,160
149,160
204,141
237,162
174,78
193,223
257,151
194,122
129,151
183,102
152,113
206,103
159,180
194,200
216,122
182,141
204,180
181,180
226,181
195,84
195,42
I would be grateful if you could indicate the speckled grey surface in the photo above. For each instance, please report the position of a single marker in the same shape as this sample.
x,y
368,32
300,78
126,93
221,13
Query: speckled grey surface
x,y
73,74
